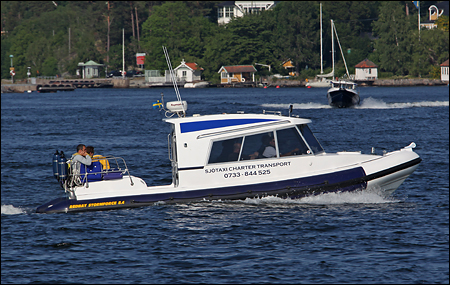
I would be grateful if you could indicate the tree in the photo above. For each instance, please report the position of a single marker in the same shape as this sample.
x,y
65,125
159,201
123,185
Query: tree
x,y
296,33
171,25
50,67
396,34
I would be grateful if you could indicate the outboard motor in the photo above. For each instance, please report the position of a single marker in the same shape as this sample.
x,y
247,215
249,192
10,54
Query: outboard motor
x,y
62,167
55,165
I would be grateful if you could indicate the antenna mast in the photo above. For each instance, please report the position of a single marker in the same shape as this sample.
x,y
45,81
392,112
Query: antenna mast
x,y
172,76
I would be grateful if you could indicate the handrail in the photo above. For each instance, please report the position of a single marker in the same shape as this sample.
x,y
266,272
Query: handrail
x,y
75,179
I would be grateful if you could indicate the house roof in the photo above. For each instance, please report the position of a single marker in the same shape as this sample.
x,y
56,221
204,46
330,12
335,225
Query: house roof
x,y
366,64
226,4
191,65
238,68
287,63
90,63
445,63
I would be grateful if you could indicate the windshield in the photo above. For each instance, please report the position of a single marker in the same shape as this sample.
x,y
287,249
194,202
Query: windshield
x,y
310,139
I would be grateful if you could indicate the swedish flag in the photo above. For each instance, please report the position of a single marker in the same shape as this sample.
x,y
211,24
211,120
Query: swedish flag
x,y
416,3
157,104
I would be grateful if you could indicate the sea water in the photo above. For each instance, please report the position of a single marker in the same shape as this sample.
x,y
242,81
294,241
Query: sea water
x,y
359,237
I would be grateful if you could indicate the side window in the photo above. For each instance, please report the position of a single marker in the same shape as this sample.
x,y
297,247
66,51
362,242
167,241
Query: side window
x,y
291,143
255,145
226,150
310,139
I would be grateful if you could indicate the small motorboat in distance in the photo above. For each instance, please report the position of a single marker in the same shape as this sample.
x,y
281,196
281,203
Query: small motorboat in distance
x,y
228,157
343,94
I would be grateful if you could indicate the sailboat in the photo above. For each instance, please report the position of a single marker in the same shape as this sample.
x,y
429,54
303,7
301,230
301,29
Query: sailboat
x,y
343,93
322,79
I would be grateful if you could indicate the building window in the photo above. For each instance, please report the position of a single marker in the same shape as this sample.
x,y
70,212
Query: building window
x,y
184,73
220,10
223,74
229,12
370,71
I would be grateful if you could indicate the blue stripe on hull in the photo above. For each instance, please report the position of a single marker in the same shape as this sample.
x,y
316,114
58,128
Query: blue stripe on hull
x,y
213,124
347,180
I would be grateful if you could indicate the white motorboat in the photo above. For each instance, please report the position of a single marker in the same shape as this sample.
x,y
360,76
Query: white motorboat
x,y
231,156
220,157
197,84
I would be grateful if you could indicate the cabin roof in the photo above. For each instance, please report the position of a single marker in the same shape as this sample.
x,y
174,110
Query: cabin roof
x,y
445,63
366,64
238,68
218,121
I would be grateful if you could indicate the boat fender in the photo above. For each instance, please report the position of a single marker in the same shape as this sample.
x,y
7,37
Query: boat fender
x,y
55,165
242,79
62,167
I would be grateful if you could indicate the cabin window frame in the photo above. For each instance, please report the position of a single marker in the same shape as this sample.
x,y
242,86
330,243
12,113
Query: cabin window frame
x,y
307,141
311,144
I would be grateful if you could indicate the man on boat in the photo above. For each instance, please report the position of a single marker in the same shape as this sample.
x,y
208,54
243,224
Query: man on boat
x,y
81,156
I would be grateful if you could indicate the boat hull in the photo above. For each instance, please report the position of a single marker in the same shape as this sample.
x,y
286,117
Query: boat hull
x,y
319,84
348,180
342,98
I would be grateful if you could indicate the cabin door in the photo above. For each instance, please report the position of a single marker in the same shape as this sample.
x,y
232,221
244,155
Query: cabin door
x,y
172,141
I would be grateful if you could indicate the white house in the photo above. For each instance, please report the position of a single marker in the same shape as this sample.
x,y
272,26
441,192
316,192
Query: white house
x,y
366,70
444,71
229,9
89,69
188,71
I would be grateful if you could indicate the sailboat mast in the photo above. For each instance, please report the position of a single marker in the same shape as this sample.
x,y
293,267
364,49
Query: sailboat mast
x,y
123,53
321,47
332,45
342,53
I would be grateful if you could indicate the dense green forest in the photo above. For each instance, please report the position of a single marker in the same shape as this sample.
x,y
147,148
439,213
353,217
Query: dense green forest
x,y
52,37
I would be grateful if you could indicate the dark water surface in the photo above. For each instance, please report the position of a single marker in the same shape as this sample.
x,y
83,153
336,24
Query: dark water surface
x,y
335,238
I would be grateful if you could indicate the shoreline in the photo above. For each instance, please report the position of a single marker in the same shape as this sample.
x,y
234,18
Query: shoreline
x,y
140,83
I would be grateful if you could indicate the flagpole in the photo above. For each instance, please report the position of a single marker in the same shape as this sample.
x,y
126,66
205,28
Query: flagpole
x,y
418,4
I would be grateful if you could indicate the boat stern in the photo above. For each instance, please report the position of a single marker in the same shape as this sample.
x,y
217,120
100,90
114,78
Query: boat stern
x,y
59,205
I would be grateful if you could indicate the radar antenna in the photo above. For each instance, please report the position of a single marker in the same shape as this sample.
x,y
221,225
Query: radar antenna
x,y
174,107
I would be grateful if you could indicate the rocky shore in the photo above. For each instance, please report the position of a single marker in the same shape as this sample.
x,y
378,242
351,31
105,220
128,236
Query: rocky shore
x,y
21,87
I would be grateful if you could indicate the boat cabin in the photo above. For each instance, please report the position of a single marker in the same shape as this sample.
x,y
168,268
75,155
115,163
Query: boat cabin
x,y
343,85
214,141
